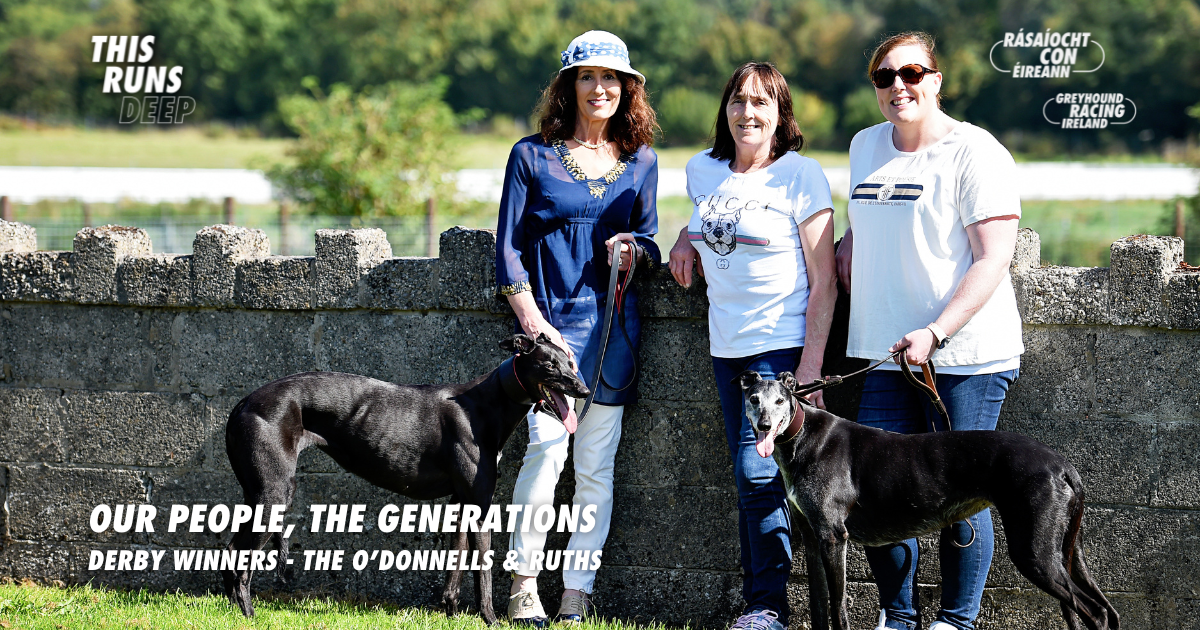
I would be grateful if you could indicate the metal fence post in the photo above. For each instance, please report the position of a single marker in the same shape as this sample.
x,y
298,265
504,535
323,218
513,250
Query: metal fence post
x,y
1179,227
283,227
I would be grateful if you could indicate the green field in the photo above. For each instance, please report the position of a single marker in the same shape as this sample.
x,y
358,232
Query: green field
x,y
1073,232
224,147
218,146
28,606
188,147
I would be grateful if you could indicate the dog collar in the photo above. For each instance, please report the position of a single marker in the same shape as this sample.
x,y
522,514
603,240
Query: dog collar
x,y
793,428
512,384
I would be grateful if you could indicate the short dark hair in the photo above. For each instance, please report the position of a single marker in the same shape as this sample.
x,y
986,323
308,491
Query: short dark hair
x,y
633,125
787,132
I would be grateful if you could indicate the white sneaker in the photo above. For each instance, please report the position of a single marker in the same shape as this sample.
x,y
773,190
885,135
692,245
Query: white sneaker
x,y
941,625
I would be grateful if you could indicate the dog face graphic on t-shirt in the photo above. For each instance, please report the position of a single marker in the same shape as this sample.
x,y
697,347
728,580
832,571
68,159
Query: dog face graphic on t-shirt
x,y
720,231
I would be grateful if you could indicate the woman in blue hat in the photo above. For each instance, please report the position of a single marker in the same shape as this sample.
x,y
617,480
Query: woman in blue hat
x,y
574,193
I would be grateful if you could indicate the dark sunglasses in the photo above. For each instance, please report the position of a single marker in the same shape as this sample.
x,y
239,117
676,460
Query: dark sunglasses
x,y
911,74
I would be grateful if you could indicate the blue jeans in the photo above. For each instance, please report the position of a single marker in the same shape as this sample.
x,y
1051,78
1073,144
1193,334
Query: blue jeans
x,y
764,521
973,403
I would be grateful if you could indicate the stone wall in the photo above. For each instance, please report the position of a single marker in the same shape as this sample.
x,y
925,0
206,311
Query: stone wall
x,y
119,368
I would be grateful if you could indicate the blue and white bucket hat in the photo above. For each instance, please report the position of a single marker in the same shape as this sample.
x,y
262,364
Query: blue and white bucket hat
x,y
599,48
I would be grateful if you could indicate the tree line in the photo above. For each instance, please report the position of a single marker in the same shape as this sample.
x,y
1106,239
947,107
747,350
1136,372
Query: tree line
x,y
243,58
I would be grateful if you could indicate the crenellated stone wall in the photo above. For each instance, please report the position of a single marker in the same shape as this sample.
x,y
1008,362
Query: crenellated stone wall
x,y
118,368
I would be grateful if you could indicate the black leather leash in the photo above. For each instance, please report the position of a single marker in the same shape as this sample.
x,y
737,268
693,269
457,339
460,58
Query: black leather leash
x,y
616,296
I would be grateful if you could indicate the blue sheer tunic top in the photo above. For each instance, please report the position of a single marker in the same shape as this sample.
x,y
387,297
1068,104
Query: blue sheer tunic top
x,y
550,238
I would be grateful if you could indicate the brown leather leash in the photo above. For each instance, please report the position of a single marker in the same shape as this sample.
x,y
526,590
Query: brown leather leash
x,y
929,388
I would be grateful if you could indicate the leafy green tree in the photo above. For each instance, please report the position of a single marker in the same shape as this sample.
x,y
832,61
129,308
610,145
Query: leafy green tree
x,y
45,55
860,110
815,117
377,152
687,116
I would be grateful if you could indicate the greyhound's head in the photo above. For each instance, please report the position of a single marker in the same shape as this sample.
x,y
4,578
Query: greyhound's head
x,y
548,375
770,407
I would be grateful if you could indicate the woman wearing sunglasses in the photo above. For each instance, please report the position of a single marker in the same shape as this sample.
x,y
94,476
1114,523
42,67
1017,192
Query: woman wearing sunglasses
x,y
933,224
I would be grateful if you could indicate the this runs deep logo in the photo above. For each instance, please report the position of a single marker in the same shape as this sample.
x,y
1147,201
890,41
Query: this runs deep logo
x,y
158,84
1058,54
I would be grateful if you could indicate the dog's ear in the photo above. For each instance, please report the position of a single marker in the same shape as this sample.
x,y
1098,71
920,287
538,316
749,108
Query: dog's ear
x,y
788,380
747,378
519,344
544,338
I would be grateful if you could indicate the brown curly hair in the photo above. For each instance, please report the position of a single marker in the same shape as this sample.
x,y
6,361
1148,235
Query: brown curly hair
x,y
787,132
634,124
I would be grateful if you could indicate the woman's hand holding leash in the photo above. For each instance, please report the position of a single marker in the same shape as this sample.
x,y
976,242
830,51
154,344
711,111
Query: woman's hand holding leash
x,y
681,259
921,344
805,374
625,251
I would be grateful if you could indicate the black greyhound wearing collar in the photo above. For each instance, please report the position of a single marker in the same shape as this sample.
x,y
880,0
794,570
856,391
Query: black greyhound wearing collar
x,y
848,482
422,441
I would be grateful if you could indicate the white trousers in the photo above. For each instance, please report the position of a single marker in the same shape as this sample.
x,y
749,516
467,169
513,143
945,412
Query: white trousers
x,y
595,450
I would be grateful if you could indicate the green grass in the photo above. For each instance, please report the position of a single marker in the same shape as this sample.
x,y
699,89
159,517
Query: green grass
x,y
187,147
221,147
1079,233
28,606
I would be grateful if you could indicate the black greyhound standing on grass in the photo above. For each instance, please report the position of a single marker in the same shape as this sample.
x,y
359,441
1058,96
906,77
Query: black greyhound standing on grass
x,y
421,441
847,482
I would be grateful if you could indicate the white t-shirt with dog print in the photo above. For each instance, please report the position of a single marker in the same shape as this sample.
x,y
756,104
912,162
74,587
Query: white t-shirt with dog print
x,y
746,228
909,213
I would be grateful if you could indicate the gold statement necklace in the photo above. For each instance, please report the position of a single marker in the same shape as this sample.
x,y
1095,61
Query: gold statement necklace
x,y
594,186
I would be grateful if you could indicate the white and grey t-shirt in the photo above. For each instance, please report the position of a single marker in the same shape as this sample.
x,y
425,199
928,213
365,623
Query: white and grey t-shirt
x,y
746,228
909,213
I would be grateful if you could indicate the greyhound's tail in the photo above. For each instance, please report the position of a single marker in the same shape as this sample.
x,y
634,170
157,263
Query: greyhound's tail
x,y
1070,542
1100,611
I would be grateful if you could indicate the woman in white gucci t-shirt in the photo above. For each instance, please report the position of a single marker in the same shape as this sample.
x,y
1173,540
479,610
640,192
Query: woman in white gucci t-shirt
x,y
762,228
933,224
